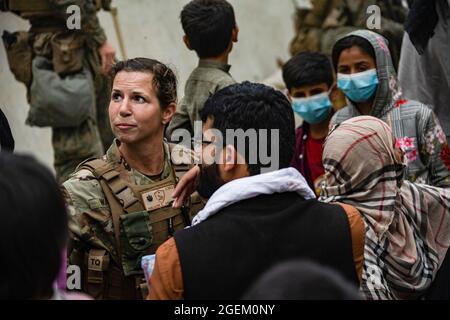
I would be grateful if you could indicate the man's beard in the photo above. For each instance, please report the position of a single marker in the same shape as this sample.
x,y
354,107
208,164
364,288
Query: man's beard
x,y
209,180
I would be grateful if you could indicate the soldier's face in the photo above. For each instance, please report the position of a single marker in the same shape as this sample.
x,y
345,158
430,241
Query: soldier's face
x,y
134,111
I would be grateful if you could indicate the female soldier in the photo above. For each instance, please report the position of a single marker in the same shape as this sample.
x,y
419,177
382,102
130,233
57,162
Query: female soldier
x,y
120,205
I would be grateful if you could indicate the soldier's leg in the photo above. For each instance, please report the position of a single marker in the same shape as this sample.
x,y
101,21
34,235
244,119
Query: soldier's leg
x,y
73,145
103,94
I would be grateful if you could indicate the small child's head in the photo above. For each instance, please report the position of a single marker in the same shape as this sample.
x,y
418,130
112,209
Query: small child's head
x,y
309,79
210,27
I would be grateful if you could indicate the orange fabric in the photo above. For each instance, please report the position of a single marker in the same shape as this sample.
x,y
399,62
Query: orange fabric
x,y
358,233
166,281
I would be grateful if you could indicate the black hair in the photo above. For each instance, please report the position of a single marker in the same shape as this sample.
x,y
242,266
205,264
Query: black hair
x,y
254,106
33,228
307,68
164,79
6,137
348,42
208,24
302,280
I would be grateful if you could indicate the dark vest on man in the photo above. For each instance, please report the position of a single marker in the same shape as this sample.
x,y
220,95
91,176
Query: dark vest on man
x,y
222,256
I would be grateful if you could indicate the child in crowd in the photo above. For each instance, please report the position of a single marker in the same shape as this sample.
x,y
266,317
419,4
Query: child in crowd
x,y
309,80
210,30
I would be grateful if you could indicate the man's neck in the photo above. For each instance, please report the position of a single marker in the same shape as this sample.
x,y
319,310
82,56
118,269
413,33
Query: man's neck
x,y
146,157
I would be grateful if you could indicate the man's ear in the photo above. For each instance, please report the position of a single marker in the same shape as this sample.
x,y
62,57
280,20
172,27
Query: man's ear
x,y
288,95
168,113
235,33
186,42
230,158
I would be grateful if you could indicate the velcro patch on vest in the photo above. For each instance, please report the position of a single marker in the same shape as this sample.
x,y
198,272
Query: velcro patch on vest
x,y
95,263
158,198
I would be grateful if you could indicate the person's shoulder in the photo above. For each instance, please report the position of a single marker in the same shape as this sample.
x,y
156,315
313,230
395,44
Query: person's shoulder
x,y
83,188
300,130
415,109
332,208
214,76
341,115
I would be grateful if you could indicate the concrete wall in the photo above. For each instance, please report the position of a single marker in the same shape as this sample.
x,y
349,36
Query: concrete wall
x,y
151,28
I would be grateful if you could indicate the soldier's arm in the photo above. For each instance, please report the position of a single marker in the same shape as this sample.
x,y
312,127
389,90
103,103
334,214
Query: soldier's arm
x,y
89,212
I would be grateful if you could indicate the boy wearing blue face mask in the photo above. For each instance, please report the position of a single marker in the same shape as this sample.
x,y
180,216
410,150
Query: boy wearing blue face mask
x,y
367,77
309,80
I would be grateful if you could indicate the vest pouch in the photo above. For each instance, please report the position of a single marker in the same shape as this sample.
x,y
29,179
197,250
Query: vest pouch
x,y
136,238
59,101
68,52
19,52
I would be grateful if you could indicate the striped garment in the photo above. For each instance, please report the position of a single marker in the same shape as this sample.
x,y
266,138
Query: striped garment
x,y
407,224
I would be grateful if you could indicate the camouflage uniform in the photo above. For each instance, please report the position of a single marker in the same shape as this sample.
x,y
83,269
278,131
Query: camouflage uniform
x,y
92,223
72,144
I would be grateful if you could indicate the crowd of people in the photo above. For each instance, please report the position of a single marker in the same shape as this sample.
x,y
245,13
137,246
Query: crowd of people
x,y
358,206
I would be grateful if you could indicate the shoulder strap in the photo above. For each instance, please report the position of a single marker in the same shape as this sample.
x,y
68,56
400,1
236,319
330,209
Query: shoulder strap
x,y
119,195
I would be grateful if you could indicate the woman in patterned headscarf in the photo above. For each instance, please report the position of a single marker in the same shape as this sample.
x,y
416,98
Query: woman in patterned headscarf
x,y
407,224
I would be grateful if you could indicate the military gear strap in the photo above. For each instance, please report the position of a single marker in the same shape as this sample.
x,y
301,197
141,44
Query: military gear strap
x,y
27,5
122,198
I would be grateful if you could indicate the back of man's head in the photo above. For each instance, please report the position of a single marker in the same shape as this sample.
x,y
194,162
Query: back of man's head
x,y
308,68
208,25
33,228
302,280
265,119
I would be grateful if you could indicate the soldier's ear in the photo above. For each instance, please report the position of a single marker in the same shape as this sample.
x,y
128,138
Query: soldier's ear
x,y
168,113
186,42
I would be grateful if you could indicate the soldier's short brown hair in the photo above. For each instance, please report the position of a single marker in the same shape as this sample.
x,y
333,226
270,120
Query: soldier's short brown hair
x,y
164,79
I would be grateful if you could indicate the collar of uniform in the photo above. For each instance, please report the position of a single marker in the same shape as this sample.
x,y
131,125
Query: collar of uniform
x,y
204,63
114,156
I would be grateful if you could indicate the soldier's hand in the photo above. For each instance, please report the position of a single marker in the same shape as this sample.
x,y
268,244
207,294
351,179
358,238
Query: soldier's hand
x,y
107,54
185,187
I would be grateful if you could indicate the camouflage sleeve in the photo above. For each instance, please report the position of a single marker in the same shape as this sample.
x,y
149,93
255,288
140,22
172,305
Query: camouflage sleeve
x,y
434,150
91,25
90,220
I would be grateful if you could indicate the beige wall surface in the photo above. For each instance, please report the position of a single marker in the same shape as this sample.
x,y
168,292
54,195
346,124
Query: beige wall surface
x,y
151,28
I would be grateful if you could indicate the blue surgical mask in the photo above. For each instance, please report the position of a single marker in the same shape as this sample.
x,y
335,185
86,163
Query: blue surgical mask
x,y
314,109
358,87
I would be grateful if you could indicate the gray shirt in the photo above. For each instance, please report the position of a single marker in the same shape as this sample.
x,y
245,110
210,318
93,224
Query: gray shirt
x,y
209,77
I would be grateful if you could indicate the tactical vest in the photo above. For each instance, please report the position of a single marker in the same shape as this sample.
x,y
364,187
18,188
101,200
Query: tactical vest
x,y
143,219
